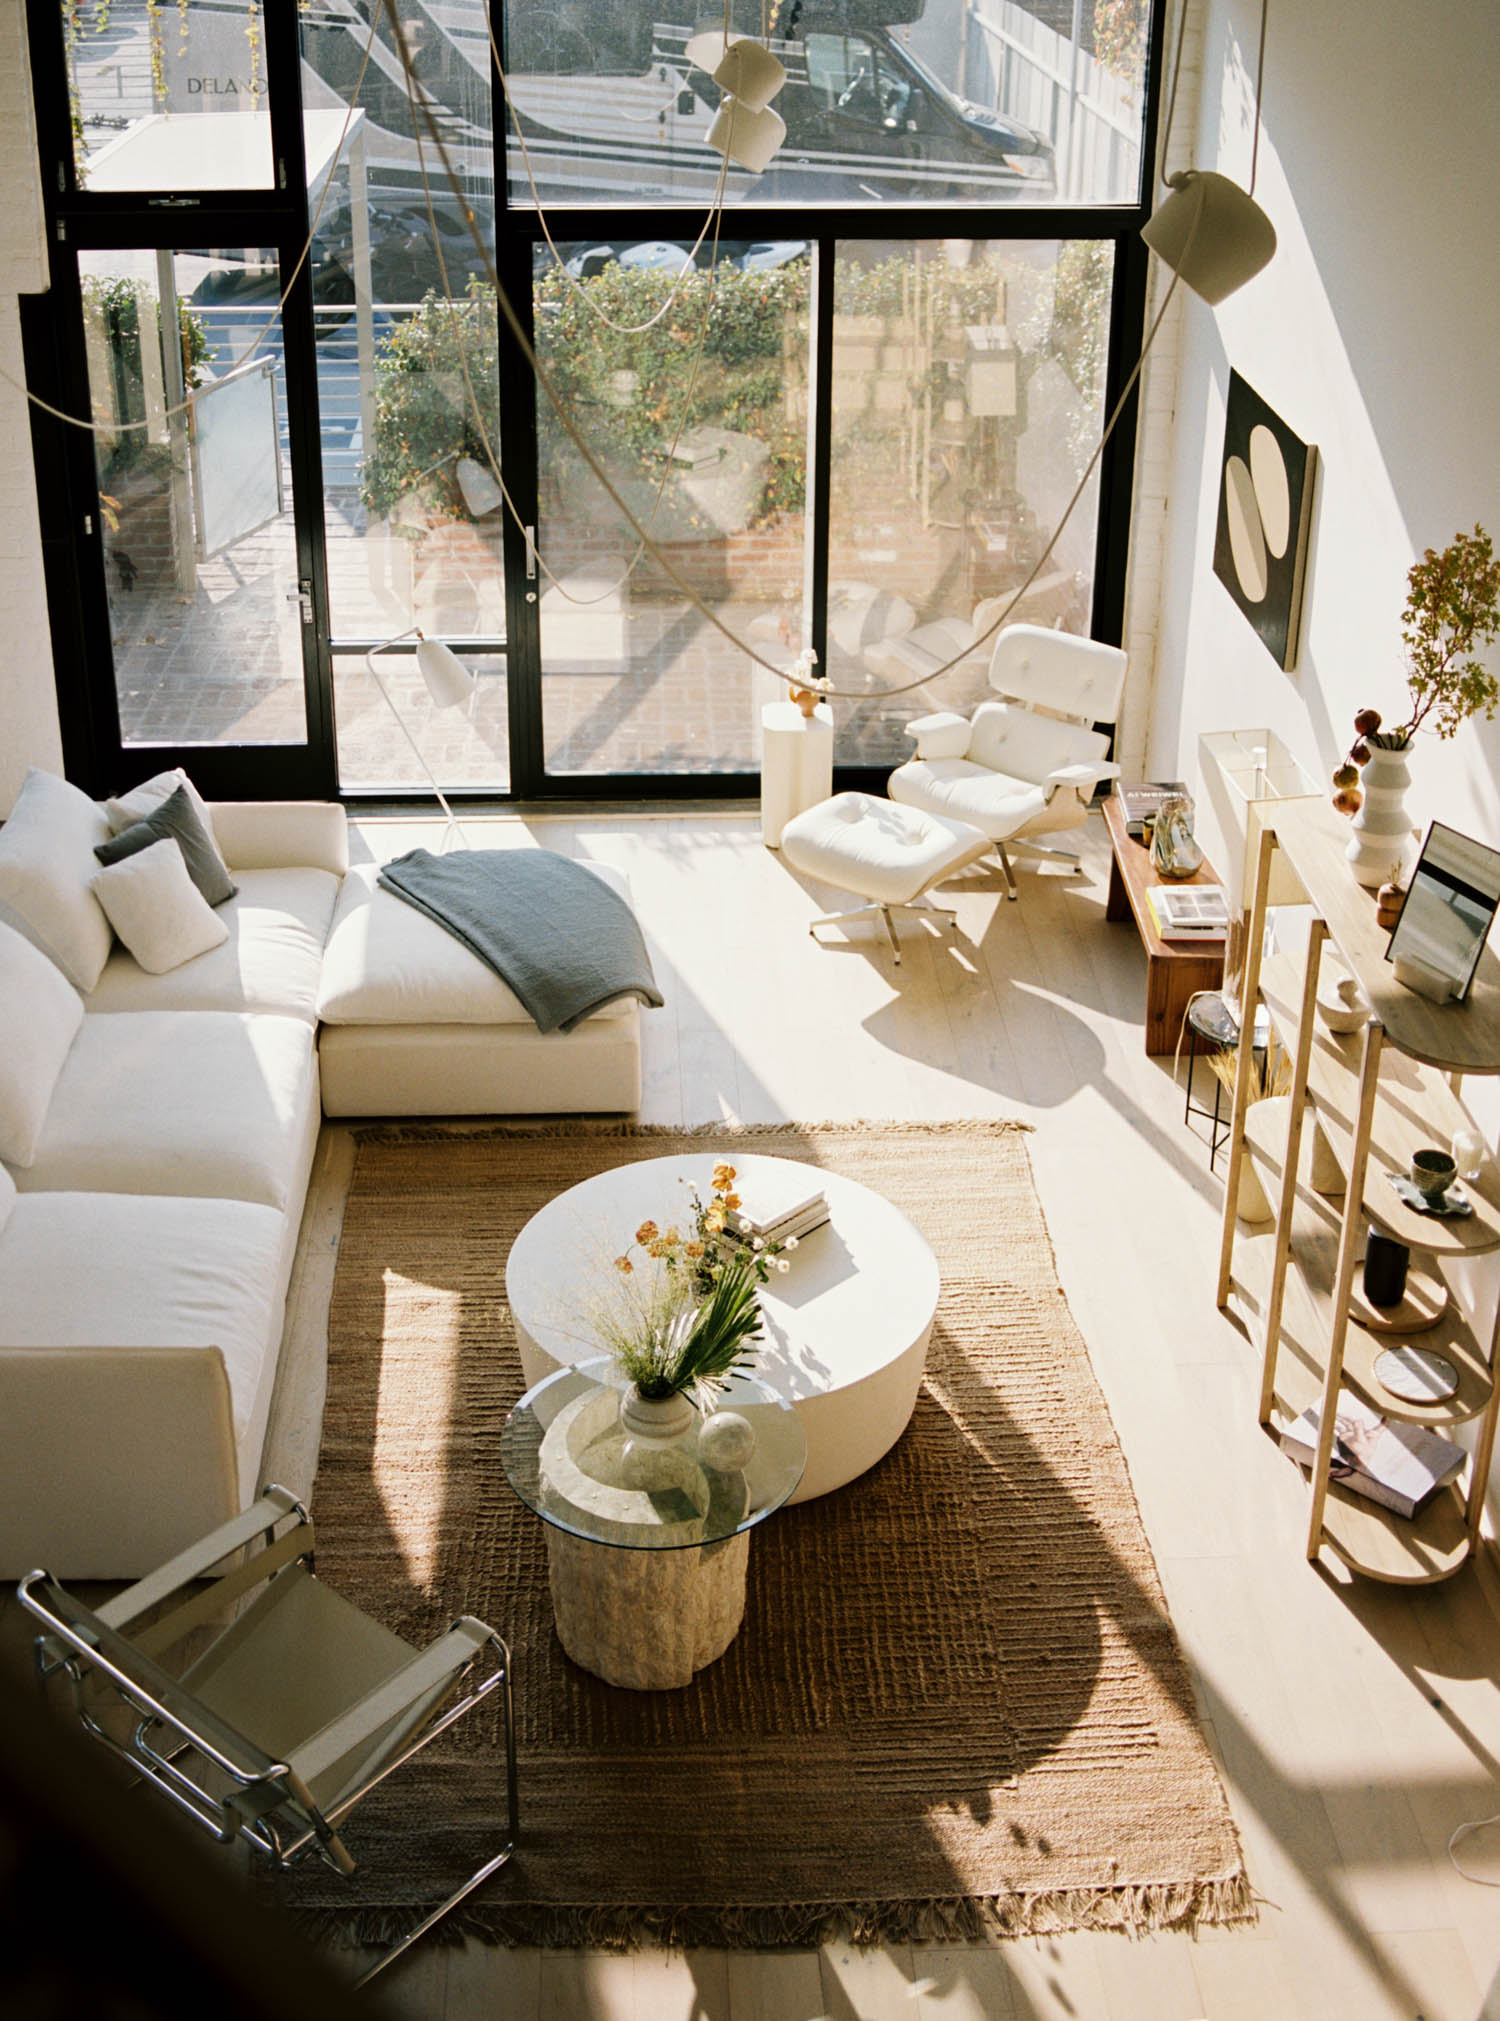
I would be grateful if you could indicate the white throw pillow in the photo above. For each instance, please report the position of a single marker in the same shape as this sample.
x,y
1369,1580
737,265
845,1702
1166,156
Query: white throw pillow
x,y
148,796
40,1012
47,870
7,1196
157,910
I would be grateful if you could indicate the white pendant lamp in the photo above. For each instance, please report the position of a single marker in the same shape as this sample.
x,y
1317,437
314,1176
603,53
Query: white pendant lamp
x,y
745,129
1210,232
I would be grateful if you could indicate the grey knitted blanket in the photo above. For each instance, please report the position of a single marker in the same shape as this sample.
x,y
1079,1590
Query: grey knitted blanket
x,y
564,941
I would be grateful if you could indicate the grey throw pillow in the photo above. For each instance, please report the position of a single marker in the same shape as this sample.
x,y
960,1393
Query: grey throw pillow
x,y
176,820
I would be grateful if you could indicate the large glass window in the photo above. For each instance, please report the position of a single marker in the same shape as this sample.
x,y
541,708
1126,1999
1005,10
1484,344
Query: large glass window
x,y
408,390
968,394
688,386
839,425
884,100
166,98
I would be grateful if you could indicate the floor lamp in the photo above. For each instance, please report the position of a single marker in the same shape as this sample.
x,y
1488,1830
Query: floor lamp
x,y
449,682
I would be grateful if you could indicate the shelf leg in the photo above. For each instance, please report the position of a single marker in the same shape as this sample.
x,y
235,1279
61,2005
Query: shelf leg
x,y
1354,1214
1286,1206
1245,1059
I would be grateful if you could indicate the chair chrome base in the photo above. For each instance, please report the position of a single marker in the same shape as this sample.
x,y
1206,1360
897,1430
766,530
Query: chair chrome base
x,y
885,911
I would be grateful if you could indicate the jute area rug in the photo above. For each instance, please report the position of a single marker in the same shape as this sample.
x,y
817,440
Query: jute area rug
x,y
956,1705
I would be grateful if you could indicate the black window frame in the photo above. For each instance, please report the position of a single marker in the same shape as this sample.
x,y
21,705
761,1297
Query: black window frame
x,y
53,349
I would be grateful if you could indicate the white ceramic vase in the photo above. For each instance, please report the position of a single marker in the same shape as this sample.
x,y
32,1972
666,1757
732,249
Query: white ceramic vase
x,y
645,1417
1382,827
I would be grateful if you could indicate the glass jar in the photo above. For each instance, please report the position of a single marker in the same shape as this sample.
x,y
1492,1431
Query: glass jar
x,y
1174,852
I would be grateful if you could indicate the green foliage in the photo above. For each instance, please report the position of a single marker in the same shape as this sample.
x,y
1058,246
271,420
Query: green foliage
x,y
628,389
424,416
1452,607
113,307
628,393
699,1343
1120,37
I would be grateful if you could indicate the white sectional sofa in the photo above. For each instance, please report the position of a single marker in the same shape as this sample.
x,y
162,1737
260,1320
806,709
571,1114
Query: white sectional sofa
x,y
146,1248
147,1241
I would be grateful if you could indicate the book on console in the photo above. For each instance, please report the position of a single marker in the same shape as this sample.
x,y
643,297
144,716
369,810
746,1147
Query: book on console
x,y
1189,911
1399,1465
1142,799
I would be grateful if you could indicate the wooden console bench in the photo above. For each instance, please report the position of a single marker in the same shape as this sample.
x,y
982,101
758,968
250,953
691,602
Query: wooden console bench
x,y
1175,969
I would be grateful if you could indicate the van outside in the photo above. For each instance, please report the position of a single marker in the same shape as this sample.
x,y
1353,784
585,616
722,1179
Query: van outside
x,y
866,120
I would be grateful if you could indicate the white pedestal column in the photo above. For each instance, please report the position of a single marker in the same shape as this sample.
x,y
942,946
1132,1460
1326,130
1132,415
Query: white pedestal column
x,y
796,765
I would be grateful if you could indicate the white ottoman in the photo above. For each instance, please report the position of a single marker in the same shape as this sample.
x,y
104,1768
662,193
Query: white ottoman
x,y
885,852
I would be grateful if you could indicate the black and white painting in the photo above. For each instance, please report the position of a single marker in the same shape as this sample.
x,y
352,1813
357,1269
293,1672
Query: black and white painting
x,y
1265,509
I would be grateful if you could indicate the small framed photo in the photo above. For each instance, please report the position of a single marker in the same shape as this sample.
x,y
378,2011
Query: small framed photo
x,y
1450,907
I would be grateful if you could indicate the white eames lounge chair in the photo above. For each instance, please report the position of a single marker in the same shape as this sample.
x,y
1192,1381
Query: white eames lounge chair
x,y
1013,771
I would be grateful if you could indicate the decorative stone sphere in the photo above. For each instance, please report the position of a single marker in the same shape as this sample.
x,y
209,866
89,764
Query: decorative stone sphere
x,y
726,1441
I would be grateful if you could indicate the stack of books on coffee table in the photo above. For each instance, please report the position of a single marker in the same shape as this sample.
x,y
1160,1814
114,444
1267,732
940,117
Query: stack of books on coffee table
x,y
773,1209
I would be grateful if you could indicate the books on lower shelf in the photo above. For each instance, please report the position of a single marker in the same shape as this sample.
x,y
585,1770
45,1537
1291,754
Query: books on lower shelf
x,y
1399,1465
774,1207
1189,911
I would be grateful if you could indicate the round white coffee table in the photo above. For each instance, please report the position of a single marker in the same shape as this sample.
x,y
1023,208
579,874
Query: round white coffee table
x,y
845,1329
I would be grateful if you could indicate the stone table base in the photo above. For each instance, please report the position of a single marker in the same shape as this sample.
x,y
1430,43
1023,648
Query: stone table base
x,y
646,1619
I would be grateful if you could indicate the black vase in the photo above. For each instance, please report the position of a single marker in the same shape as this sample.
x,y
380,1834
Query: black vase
x,y
1385,1269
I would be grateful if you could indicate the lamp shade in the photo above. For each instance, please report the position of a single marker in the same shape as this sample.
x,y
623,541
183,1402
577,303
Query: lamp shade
x,y
1211,233
750,73
740,65
448,679
745,136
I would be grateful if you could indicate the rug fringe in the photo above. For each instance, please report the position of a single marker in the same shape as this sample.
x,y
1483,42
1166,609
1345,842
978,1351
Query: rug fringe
x,y
499,1127
1137,1911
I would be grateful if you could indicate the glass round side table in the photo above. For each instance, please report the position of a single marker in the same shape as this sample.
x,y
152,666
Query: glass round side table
x,y
648,1538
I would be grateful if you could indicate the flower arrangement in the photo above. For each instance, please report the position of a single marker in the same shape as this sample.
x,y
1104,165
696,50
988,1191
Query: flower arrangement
x,y
804,687
1452,608
687,1307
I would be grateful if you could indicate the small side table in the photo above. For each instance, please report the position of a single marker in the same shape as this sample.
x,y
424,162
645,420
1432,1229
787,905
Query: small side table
x,y
1210,1019
796,764
647,1540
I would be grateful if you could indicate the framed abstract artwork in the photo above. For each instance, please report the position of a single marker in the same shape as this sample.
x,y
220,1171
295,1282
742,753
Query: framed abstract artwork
x,y
1265,511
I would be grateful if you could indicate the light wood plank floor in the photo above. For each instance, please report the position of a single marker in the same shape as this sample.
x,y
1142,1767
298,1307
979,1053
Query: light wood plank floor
x,y
1355,1726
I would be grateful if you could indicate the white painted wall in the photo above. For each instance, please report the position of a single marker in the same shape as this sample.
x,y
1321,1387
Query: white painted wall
x,y
29,733
1373,334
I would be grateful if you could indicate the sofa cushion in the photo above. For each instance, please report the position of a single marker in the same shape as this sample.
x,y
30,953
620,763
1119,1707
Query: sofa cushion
x,y
174,820
144,1270
278,921
148,796
388,964
40,1012
157,910
180,1102
46,869
7,1197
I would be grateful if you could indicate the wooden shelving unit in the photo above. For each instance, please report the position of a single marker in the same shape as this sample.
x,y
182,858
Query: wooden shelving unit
x,y
1377,1095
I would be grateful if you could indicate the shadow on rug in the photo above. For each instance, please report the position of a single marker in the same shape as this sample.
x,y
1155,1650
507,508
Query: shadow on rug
x,y
956,1705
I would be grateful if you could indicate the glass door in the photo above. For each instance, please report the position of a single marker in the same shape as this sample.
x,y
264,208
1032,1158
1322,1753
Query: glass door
x,y
187,391
687,384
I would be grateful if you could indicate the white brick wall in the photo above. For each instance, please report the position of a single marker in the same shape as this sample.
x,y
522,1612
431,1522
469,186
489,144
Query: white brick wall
x,y
28,705
1156,428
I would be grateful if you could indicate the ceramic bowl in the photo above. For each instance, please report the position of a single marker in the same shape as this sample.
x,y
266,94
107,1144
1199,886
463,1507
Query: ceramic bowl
x,y
1342,1005
1432,1173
